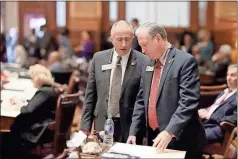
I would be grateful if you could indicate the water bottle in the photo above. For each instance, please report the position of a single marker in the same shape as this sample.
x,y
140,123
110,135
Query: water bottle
x,y
108,132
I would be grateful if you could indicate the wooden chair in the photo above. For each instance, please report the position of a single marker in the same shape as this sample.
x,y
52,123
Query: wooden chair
x,y
231,149
219,148
64,116
207,79
208,94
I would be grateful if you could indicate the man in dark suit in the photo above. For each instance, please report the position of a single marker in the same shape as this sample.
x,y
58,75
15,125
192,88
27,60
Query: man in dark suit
x,y
113,84
47,43
168,96
135,44
223,109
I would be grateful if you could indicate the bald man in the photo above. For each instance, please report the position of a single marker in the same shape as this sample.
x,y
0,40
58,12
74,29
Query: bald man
x,y
54,64
113,84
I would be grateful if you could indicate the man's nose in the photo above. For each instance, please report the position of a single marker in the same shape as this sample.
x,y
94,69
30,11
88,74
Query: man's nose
x,y
123,43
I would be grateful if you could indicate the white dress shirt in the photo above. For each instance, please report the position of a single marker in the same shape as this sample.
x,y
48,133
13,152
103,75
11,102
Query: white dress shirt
x,y
218,102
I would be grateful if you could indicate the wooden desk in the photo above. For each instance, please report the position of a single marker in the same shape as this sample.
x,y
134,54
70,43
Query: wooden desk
x,y
7,117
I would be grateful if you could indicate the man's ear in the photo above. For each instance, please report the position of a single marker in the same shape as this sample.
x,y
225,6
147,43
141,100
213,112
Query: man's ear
x,y
158,37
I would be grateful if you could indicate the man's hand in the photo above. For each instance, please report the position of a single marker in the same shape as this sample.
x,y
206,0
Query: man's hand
x,y
131,140
162,140
203,114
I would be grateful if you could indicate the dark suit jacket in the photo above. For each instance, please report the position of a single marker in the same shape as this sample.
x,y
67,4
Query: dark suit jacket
x,y
135,44
97,92
227,111
47,43
34,118
178,99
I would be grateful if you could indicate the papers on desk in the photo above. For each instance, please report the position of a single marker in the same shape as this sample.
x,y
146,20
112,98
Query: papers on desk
x,y
145,151
19,84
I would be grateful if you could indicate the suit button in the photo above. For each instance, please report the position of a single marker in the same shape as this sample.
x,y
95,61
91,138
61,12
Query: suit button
x,y
106,100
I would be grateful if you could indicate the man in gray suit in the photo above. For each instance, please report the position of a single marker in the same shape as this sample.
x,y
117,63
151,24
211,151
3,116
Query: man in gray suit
x,y
113,84
168,96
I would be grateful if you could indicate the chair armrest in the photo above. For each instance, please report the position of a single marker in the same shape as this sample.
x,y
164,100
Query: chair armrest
x,y
227,125
52,126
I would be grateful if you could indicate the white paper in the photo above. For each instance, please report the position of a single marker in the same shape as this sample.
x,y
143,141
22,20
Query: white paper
x,y
77,139
145,151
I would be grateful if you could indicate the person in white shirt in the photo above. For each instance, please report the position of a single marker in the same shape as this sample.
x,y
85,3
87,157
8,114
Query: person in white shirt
x,y
223,109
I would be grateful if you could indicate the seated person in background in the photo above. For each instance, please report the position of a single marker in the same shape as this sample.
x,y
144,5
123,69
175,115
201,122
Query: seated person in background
x,y
54,64
30,127
20,55
201,63
223,109
86,46
221,60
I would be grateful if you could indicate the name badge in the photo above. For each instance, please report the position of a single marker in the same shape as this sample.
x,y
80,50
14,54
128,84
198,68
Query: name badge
x,y
108,67
149,68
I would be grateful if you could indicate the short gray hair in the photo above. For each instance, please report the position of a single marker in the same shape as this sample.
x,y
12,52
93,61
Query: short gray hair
x,y
153,30
233,66
123,24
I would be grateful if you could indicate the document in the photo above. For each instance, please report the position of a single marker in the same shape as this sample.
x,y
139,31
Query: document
x,y
145,151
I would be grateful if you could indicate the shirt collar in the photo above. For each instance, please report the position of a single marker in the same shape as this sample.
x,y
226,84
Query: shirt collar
x,y
232,91
164,56
115,54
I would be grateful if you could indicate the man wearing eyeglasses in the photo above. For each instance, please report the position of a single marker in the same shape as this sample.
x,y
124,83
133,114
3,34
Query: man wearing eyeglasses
x,y
168,96
113,84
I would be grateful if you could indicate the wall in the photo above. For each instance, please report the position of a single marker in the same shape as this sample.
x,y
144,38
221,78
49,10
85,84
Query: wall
x,y
48,9
10,15
87,16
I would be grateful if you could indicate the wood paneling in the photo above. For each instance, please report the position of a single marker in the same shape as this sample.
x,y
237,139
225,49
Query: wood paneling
x,y
48,9
86,16
194,19
121,10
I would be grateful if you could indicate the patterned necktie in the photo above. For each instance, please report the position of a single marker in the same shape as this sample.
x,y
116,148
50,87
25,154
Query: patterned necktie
x,y
152,115
113,107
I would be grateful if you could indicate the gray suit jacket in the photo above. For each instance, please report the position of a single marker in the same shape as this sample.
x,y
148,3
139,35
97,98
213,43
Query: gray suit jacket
x,y
178,98
97,93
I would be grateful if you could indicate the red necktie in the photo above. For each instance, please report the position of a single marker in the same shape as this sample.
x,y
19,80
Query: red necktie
x,y
221,101
153,123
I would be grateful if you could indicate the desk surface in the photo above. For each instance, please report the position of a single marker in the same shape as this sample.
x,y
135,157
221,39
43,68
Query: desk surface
x,y
140,151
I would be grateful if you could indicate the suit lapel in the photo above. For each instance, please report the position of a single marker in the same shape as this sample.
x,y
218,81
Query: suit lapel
x,y
167,66
107,73
147,82
229,99
131,64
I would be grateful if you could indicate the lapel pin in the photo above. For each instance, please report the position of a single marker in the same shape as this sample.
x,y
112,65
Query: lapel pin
x,y
169,61
133,63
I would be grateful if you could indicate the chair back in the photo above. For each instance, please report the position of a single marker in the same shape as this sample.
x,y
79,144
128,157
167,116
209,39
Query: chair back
x,y
61,77
64,117
231,150
208,94
207,79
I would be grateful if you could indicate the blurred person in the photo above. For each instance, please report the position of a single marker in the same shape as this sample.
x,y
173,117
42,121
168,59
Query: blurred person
x,y
20,55
168,97
63,39
187,42
30,44
30,127
221,60
86,47
54,64
113,84
3,50
224,108
11,42
135,44
205,45
47,43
